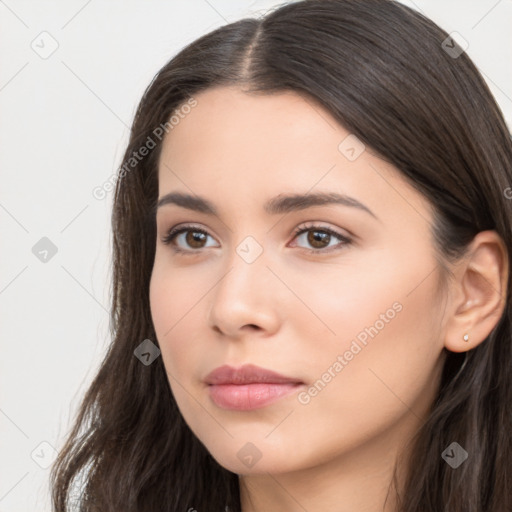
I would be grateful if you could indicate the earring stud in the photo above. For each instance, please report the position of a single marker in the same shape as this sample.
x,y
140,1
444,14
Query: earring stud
x,y
466,337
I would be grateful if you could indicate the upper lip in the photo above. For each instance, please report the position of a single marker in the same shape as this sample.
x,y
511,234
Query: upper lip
x,y
247,374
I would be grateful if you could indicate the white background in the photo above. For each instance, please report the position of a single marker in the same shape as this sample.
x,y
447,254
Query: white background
x,y
63,128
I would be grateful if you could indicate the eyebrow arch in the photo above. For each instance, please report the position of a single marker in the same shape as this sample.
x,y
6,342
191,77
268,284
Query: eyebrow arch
x,y
277,205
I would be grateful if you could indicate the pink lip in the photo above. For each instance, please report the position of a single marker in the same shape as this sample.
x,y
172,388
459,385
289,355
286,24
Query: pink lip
x,y
248,387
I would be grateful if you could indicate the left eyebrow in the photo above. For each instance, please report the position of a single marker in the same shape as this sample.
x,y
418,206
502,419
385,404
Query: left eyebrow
x,y
277,205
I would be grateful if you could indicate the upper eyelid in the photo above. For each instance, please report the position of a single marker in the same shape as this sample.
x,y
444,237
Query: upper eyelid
x,y
309,225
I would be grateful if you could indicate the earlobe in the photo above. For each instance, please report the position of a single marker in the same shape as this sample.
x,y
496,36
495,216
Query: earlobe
x,y
481,282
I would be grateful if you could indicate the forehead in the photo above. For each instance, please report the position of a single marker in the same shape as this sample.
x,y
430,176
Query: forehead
x,y
230,135
227,117
234,146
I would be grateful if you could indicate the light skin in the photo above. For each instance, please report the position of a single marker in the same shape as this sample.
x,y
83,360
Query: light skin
x,y
294,312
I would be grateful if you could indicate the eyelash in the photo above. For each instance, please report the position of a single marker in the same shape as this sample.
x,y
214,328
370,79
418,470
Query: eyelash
x,y
174,232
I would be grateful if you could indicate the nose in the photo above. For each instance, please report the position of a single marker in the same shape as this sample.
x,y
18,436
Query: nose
x,y
247,298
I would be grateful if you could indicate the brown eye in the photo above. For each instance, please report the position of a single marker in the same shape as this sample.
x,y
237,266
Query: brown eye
x,y
319,238
194,238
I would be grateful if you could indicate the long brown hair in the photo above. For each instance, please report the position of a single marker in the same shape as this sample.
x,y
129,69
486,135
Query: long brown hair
x,y
388,75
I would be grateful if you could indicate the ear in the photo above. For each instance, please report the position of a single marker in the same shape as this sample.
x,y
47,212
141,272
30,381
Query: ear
x,y
479,292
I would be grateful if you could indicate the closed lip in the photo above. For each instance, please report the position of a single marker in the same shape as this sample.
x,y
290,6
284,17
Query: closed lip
x,y
247,374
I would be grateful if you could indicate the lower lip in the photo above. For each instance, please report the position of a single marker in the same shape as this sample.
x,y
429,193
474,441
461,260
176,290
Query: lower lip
x,y
246,397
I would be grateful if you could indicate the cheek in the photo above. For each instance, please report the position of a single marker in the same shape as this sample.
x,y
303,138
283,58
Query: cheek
x,y
335,303
176,329
175,295
177,300
169,315
383,323
390,359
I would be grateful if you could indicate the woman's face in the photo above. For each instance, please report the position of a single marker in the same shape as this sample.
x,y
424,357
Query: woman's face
x,y
349,310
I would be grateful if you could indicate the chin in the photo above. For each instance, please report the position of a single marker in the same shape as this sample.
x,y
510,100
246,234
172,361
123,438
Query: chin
x,y
251,460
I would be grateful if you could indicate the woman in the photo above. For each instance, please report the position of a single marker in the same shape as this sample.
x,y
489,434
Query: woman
x,y
311,302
